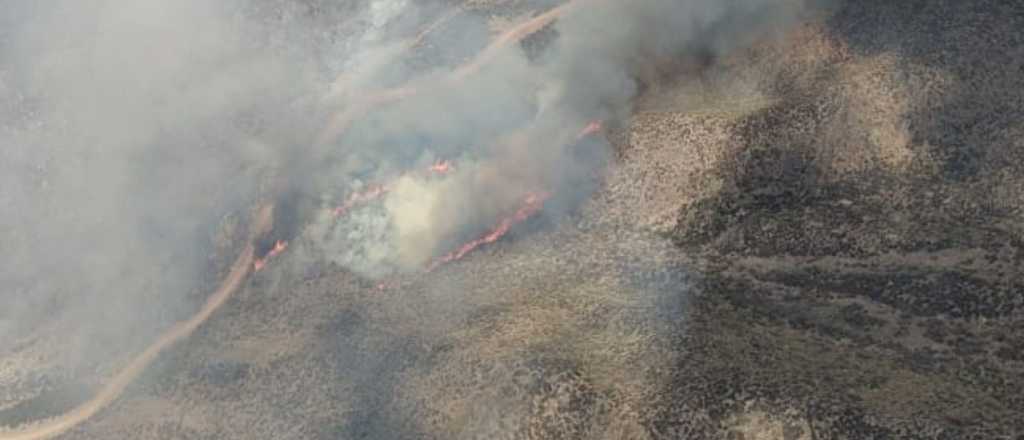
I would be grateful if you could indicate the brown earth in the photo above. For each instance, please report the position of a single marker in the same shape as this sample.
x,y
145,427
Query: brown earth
x,y
817,238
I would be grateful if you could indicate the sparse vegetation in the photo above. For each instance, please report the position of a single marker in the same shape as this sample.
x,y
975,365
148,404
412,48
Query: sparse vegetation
x,y
824,243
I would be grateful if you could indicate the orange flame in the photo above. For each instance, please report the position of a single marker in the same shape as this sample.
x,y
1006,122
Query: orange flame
x,y
375,192
279,247
372,193
591,128
531,205
442,167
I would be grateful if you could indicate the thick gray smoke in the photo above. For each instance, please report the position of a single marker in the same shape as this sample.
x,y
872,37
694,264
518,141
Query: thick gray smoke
x,y
510,127
128,131
133,131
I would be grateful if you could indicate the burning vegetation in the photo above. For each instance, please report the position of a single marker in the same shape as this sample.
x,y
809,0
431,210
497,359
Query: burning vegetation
x,y
531,204
506,123
279,246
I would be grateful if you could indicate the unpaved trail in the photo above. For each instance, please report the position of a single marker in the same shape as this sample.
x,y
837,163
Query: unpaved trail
x,y
341,120
344,83
262,223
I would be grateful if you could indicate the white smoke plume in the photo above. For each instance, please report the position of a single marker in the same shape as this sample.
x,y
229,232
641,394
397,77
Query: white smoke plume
x,y
511,125
128,131
132,131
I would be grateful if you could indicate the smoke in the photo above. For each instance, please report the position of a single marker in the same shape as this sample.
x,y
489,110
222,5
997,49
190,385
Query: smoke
x,y
128,131
133,131
511,125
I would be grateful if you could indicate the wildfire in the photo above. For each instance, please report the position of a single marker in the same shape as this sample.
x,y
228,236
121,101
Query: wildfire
x,y
531,205
279,247
375,192
591,128
442,167
357,198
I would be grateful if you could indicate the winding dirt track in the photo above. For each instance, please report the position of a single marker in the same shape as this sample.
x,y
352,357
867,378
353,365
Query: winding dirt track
x,y
262,223
341,120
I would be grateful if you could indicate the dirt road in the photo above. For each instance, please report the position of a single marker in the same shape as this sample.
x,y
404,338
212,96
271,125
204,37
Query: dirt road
x,y
262,223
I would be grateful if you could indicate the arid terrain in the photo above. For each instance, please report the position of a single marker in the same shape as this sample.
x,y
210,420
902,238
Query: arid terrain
x,y
815,237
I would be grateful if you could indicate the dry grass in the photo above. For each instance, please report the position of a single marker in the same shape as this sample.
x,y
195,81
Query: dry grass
x,y
558,334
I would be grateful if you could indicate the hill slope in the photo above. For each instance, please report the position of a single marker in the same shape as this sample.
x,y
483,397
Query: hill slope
x,y
818,237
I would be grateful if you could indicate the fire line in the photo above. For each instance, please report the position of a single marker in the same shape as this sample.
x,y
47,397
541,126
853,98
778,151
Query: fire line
x,y
375,192
532,204
279,247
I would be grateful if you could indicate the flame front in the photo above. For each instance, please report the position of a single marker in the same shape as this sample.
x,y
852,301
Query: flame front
x,y
591,128
374,192
279,247
531,205
442,167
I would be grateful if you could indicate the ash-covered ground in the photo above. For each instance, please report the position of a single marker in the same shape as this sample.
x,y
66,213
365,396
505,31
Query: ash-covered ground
x,y
815,237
